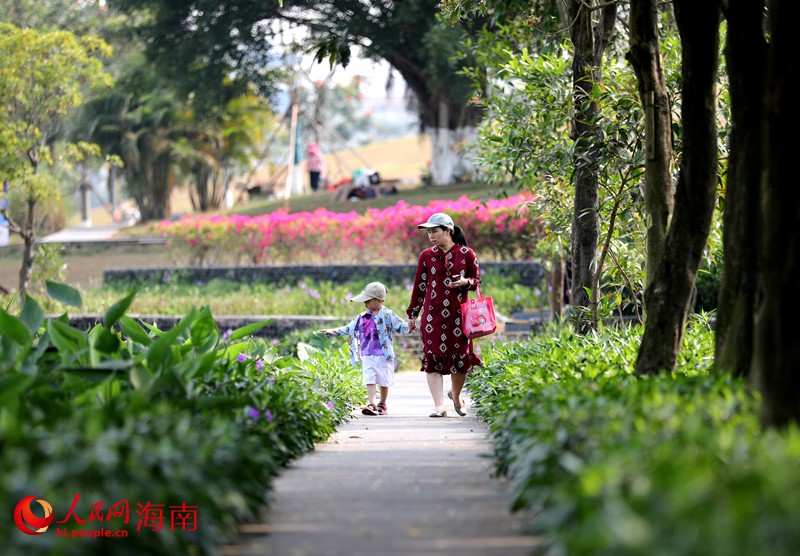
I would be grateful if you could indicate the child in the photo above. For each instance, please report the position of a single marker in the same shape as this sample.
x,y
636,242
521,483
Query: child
x,y
371,344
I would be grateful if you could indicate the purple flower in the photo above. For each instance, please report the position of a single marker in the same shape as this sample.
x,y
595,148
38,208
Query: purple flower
x,y
260,365
538,292
227,334
241,358
253,413
275,341
517,297
330,404
268,415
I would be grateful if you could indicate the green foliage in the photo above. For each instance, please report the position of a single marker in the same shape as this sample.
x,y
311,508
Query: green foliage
x,y
309,297
126,411
611,463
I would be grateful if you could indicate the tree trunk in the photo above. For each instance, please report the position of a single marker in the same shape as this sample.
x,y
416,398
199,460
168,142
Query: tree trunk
x,y
589,44
668,296
28,234
777,351
556,290
449,163
745,53
659,191
450,123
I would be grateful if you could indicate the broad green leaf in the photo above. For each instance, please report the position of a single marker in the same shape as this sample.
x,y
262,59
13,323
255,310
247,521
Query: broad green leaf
x,y
140,377
231,352
15,329
248,330
160,353
107,341
13,385
134,331
205,333
115,312
70,343
32,314
305,351
64,294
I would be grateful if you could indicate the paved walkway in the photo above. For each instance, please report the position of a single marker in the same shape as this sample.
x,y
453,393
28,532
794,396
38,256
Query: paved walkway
x,y
403,484
80,234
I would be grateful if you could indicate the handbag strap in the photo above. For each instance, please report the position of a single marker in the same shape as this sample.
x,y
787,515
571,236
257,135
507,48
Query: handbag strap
x,y
478,291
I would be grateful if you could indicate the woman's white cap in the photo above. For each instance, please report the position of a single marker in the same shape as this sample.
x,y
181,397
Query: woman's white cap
x,y
438,219
373,290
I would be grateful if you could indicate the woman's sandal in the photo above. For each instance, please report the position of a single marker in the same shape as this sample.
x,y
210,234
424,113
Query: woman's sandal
x,y
441,413
457,407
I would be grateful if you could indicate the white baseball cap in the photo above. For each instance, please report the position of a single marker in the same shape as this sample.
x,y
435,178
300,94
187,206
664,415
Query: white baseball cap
x,y
373,290
438,219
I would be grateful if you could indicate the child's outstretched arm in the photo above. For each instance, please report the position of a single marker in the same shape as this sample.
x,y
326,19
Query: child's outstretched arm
x,y
397,324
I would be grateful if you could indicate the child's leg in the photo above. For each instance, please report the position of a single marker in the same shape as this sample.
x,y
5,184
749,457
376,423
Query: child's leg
x,y
372,392
384,394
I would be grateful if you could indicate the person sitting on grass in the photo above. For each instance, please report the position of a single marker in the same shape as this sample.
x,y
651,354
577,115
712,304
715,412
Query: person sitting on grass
x,y
371,344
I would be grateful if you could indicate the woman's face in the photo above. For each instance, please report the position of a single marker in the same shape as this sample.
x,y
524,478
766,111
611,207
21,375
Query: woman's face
x,y
439,237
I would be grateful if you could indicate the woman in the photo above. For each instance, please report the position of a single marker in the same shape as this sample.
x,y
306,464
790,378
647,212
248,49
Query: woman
x,y
315,164
446,272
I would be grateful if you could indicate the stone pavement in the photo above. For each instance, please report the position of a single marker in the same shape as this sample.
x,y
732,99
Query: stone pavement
x,y
403,484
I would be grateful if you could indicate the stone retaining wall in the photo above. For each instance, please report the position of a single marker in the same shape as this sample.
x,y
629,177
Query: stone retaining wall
x,y
280,325
531,273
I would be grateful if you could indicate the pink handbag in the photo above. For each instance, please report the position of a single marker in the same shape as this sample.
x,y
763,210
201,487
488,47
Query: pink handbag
x,y
477,316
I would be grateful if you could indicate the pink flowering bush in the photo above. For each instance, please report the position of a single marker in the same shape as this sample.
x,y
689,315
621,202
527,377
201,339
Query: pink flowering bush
x,y
497,229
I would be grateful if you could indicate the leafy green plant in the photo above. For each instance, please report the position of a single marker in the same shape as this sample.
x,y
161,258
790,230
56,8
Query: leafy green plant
x,y
125,411
611,463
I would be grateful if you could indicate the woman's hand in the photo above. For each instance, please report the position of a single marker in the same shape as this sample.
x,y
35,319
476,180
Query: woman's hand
x,y
459,282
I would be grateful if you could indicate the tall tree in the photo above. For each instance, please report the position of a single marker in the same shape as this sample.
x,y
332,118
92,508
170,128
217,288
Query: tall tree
x,y
668,296
745,54
591,25
43,78
645,58
777,351
211,36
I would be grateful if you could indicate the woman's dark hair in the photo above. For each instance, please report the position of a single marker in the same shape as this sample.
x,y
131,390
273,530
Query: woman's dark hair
x,y
458,236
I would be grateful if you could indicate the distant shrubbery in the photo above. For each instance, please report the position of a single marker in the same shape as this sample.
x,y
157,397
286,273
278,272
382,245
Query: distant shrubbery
x,y
495,229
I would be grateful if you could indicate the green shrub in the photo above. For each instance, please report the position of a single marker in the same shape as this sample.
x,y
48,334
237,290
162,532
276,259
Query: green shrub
x,y
611,463
127,412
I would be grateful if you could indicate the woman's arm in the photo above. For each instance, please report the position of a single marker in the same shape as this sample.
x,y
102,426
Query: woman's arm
x,y
418,291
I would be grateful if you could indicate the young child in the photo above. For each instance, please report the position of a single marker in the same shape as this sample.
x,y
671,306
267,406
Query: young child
x,y
371,344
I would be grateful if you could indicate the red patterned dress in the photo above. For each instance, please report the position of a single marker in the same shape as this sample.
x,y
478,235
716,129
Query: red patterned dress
x,y
445,348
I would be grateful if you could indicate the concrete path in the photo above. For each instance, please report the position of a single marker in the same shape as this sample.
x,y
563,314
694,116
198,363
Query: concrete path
x,y
80,234
403,484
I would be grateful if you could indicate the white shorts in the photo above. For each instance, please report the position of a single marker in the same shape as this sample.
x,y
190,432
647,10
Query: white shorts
x,y
376,369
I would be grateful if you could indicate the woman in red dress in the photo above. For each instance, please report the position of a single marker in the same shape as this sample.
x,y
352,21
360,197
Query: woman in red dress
x,y
446,272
